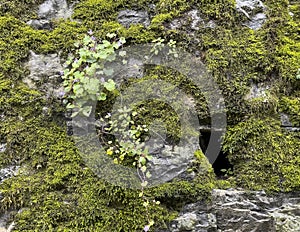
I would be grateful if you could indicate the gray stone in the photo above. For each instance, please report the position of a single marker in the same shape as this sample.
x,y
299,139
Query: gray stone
x,y
41,24
187,221
292,129
211,24
285,121
3,147
51,9
285,222
257,21
240,211
54,9
45,73
194,217
8,172
3,220
43,65
136,68
258,91
129,17
169,161
254,10
191,20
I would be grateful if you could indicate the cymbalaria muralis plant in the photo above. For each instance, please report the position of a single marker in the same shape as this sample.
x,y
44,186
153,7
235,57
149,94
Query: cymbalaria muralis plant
x,y
84,82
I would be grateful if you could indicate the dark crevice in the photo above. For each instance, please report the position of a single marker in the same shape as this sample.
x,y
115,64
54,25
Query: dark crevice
x,y
221,163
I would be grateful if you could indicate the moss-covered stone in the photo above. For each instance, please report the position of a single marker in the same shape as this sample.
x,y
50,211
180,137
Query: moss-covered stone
x,y
264,156
23,10
291,106
55,189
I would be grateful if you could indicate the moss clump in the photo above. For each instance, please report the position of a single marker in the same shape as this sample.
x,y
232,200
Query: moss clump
x,y
55,188
223,11
23,10
91,10
16,39
264,156
58,193
291,106
62,37
236,58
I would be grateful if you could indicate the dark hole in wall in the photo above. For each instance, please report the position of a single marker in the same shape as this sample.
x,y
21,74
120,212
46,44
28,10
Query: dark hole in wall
x,y
222,161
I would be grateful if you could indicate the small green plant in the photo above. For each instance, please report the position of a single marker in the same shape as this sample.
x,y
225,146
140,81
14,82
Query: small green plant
x,y
122,138
81,79
227,172
158,44
128,148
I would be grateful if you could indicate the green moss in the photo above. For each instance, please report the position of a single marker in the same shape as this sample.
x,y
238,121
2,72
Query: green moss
x,y
23,10
236,58
223,11
63,37
57,191
156,109
16,39
291,106
176,7
158,20
264,156
93,10
60,194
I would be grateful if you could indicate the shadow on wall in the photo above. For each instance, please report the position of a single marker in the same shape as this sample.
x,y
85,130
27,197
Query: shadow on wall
x,y
222,161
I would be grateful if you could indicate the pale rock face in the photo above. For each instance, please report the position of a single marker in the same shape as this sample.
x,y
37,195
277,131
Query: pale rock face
x,y
8,172
51,9
54,9
258,91
192,20
254,10
2,147
45,73
131,17
240,211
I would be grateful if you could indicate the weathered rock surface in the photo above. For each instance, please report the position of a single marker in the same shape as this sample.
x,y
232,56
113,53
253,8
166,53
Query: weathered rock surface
x,y
45,73
285,120
172,161
8,172
191,20
240,211
286,123
258,91
129,17
2,147
254,10
3,221
54,9
51,9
